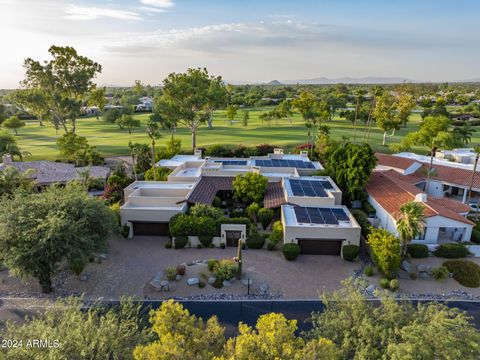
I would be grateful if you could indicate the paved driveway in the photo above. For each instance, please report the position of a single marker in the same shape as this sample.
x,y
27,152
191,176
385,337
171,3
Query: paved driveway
x,y
132,263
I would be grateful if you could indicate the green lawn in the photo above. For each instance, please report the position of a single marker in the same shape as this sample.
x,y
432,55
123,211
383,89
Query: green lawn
x,y
40,141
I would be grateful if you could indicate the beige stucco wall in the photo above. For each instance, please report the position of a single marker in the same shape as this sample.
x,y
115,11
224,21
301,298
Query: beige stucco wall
x,y
351,235
149,215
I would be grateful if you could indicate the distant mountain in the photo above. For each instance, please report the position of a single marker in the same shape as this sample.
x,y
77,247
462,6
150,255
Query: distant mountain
x,y
474,80
350,80
274,82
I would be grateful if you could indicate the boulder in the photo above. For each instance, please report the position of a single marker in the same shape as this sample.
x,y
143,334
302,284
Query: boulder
x,y
370,288
226,283
247,282
158,277
155,285
178,277
405,265
403,275
424,275
102,256
211,280
193,281
422,268
263,288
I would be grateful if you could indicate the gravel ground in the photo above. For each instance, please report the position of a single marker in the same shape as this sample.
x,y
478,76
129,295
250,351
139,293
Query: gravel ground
x,y
131,264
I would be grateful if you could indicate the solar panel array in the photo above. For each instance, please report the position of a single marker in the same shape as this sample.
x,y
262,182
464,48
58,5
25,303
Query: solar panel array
x,y
309,187
322,216
232,162
299,164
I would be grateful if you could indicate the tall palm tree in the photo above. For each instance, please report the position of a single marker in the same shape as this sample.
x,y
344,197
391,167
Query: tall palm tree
x,y
11,178
411,223
153,132
359,95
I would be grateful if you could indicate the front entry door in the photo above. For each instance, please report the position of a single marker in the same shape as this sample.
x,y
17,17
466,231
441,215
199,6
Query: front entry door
x,y
232,237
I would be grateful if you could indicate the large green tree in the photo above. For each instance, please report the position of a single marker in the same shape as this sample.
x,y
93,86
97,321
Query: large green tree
x,y
394,329
77,332
350,166
13,122
386,251
385,115
39,232
64,82
189,98
307,105
32,101
250,187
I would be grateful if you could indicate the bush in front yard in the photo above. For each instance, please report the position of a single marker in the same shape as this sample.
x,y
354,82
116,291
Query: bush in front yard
x,y
466,272
475,236
212,263
394,284
451,251
291,251
205,240
362,220
265,217
181,241
350,252
384,283
417,251
255,241
225,270
439,273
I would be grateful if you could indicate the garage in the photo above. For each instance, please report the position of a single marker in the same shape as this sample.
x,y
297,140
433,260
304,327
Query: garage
x,y
320,247
151,228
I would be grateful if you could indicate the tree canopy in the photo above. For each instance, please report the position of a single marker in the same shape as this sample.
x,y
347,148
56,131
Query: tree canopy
x,y
40,231
250,187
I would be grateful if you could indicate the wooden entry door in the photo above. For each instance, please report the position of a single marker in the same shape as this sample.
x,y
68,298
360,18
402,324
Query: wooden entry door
x,y
232,237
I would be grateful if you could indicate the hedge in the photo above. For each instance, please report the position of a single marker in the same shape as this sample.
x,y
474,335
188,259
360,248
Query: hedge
x,y
183,224
362,220
350,252
181,241
417,251
451,251
466,272
255,241
239,220
475,236
291,251
205,240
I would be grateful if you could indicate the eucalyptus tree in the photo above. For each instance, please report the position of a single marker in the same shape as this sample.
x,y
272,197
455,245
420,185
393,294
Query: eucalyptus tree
x,y
64,82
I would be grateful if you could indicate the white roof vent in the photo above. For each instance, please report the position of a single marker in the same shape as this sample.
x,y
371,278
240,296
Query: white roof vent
x,y
421,197
198,153
304,153
278,151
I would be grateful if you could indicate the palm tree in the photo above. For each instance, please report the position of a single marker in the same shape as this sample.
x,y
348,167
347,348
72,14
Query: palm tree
x,y
11,178
411,223
153,132
464,133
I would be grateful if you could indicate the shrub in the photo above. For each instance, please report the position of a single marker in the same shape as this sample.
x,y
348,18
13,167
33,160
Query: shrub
x,y
160,172
218,283
384,283
241,151
168,244
413,275
240,220
205,240
181,270
252,211
440,273
385,250
204,210
451,251
219,150
212,263
466,272
362,220
184,224
264,149
417,251
270,246
181,241
201,284
170,273
368,208
475,236
368,270
222,246
291,251
394,284
125,231
217,202
265,217
350,252
255,241
225,270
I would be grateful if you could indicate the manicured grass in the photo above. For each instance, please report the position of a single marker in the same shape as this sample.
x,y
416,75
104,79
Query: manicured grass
x,y
40,141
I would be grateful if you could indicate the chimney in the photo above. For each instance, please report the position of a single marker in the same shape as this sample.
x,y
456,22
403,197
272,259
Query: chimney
x,y
7,159
198,153
278,151
421,197
304,153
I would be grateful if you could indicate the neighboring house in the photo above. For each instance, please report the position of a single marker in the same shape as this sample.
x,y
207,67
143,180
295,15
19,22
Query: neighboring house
x,y
446,219
146,104
48,172
447,179
310,207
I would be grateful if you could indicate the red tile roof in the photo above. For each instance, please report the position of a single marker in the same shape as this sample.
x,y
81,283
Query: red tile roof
x,y
274,196
391,193
394,161
207,188
452,175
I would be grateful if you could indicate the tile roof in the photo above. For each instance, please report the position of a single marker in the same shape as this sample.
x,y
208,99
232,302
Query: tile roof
x,y
394,161
453,175
391,193
49,172
207,187
274,196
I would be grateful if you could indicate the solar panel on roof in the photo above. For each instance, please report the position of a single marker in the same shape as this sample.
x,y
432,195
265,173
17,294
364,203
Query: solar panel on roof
x,y
326,184
340,215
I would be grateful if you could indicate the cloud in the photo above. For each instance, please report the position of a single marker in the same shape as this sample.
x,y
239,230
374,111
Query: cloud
x,y
164,4
74,12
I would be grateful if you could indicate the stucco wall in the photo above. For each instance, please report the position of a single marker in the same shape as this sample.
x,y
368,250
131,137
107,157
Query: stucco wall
x,y
149,215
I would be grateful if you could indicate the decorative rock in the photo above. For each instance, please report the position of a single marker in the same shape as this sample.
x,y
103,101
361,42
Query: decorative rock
x,y
424,275
193,281
226,283
178,277
158,277
155,285
183,264
164,283
370,288
263,288
102,256
211,280
190,263
405,265
172,287
424,268
247,282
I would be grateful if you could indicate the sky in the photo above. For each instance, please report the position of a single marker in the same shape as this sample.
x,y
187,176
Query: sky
x,y
247,40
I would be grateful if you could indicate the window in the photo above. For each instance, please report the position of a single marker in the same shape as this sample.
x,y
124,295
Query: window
x,y
421,236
